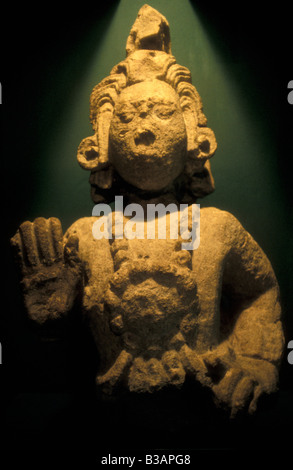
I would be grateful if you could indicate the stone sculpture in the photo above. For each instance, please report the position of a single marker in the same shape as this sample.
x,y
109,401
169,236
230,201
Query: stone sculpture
x,y
158,313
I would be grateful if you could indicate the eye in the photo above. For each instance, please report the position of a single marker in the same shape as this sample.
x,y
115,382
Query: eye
x,y
125,116
164,111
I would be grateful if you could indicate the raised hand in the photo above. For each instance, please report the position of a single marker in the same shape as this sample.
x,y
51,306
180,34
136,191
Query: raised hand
x,y
51,270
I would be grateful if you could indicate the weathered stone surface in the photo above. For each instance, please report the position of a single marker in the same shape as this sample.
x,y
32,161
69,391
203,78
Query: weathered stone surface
x,y
158,314
150,31
147,135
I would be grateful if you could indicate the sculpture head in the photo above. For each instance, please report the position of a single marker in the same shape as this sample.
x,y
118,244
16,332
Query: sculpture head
x,y
149,127
147,138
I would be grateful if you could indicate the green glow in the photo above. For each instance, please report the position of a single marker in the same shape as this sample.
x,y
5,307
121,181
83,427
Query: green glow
x,y
243,166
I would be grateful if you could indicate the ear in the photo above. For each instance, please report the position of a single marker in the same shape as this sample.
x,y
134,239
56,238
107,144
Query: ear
x,y
201,140
88,153
206,143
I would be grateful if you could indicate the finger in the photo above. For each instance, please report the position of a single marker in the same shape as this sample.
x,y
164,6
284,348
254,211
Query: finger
x,y
57,237
16,244
71,251
241,395
29,244
253,404
219,357
44,241
225,388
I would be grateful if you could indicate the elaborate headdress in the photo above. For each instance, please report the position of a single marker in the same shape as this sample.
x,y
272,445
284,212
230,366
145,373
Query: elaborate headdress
x,y
148,57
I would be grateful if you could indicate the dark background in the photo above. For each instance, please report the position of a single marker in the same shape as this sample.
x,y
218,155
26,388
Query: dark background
x,y
46,388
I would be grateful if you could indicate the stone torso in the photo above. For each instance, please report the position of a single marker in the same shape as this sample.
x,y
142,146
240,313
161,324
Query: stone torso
x,y
147,300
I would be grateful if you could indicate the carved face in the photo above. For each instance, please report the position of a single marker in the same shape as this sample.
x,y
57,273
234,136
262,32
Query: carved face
x,y
147,139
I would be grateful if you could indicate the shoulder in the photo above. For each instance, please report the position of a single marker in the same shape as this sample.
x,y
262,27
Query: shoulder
x,y
222,224
83,230
244,252
91,250
219,216
81,227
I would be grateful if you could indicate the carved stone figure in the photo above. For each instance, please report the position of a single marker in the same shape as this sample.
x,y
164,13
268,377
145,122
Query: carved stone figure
x,y
158,314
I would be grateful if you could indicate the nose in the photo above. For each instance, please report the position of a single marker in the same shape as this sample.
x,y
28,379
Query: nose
x,y
143,110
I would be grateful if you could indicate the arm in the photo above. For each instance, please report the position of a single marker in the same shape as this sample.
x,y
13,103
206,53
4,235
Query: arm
x,y
253,340
50,269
